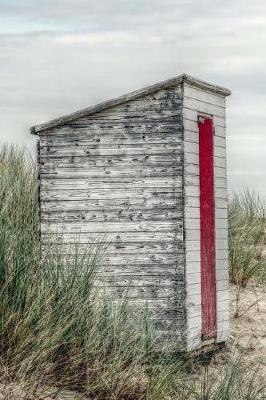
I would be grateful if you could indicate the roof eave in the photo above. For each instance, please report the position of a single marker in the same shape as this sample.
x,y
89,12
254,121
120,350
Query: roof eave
x,y
222,91
35,130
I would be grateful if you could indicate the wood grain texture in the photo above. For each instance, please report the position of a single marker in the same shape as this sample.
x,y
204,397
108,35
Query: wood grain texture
x,y
112,237
125,174
116,177
89,150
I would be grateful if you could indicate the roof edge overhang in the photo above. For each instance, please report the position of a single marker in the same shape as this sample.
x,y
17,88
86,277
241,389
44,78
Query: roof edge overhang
x,y
184,78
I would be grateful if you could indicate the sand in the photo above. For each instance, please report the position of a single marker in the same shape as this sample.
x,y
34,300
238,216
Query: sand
x,y
248,324
247,330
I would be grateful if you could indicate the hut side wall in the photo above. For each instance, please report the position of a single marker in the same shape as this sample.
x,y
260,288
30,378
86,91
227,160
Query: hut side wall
x,y
197,102
119,172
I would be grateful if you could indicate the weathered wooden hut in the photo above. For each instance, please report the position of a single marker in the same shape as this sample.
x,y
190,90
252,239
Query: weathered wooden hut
x,y
149,170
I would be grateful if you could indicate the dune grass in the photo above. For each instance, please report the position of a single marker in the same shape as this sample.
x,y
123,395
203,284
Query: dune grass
x,y
56,330
54,327
234,382
247,238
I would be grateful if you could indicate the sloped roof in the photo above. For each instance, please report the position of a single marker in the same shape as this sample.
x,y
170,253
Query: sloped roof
x,y
127,97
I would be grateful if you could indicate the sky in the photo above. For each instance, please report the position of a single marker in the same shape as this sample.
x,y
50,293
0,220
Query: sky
x,y
57,56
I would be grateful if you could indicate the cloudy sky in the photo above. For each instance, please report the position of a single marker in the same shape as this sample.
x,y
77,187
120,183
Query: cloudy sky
x,y
57,56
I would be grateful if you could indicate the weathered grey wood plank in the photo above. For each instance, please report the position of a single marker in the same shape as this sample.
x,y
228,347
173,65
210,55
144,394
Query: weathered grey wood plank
x,y
123,259
78,162
145,293
115,216
119,227
105,132
133,281
66,151
122,172
87,194
112,183
167,102
132,204
141,116
121,237
114,247
165,269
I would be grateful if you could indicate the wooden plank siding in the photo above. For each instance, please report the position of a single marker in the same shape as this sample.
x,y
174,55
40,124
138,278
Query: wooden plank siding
x,y
116,176
198,102
125,173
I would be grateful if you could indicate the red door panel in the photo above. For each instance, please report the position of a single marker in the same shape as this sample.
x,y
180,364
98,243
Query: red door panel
x,y
207,229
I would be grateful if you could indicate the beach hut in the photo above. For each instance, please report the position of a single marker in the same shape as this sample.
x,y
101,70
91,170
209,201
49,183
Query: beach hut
x,y
147,172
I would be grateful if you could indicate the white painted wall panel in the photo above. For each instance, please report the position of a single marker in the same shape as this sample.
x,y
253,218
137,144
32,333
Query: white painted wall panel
x,y
197,102
204,96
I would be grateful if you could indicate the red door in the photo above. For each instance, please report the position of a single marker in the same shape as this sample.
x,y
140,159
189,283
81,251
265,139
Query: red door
x,y
207,229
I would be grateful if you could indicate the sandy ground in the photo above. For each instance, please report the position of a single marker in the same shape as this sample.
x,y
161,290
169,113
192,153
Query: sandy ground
x,y
247,336
248,329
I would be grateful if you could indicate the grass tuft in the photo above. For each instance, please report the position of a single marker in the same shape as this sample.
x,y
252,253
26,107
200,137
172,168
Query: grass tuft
x,y
247,238
54,326
233,382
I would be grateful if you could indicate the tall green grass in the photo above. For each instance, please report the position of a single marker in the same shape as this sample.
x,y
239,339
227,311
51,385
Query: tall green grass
x,y
247,238
54,327
57,330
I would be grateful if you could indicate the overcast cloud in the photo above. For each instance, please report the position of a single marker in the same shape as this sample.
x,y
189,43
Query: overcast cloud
x,y
61,55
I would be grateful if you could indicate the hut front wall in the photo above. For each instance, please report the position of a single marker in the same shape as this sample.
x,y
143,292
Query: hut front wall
x,y
119,172
199,102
